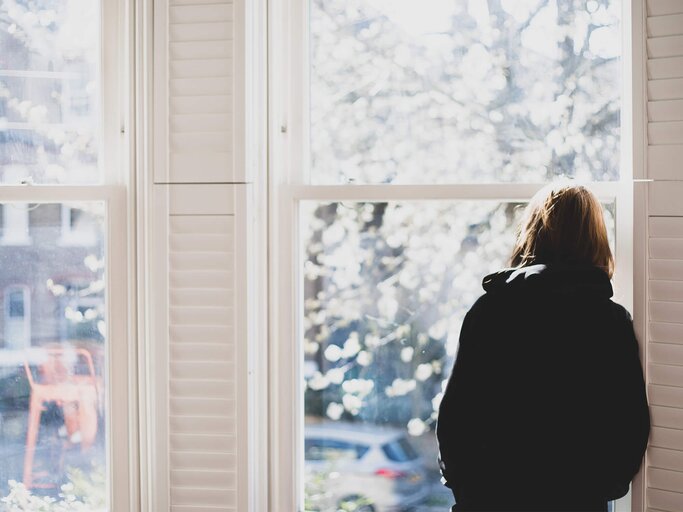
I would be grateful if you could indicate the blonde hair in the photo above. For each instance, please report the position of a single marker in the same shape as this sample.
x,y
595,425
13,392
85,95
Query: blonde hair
x,y
563,223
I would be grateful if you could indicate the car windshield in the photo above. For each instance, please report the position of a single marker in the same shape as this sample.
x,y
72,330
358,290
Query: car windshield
x,y
330,449
400,450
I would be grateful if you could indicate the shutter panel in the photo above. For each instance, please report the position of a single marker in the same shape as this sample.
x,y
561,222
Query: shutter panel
x,y
198,214
663,467
199,94
198,357
665,89
201,348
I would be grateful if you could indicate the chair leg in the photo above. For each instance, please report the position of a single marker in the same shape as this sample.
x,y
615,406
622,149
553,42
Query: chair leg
x,y
35,410
87,416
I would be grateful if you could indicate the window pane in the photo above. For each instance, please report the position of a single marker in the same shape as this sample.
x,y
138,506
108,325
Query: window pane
x,y
49,91
52,360
386,286
464,90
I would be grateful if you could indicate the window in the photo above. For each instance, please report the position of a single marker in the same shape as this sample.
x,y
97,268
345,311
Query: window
x,y
64,403
15,224
408,138
78,226
17,317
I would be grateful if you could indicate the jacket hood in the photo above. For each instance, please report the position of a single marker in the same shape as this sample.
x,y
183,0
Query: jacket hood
x,y
561,279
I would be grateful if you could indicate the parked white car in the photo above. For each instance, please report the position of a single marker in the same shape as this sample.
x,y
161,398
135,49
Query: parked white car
x,y
362,468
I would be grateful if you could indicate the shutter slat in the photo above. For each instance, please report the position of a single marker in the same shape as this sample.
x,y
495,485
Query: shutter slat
x,y
666,269
666,333
671,438
203,479
201,279
667,89
666,227
207,31
671,312
663,7
665,132
198,122
664,161
665,500
200,13
666,395
205,141
666,290
201,199
198,351
202,407
207,260
201,104
210,224
195,2
202,425
187,388
204,86
668,46
669,417
205,333
665,480
665,25
666,248
666,459
203,443
666,375
200,68
192,496
200,508
667,110
199,50
201,460
201,242
668,67
203,370
221,297
199,166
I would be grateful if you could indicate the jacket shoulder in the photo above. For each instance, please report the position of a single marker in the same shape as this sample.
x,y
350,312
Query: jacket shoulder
x,y
620,313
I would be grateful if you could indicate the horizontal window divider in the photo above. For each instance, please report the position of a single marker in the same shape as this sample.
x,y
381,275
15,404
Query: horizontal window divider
x,y
203,183
418,192
58,193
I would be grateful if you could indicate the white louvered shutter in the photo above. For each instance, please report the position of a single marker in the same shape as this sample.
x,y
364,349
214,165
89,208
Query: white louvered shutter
x,y
198,363
664,373
199,92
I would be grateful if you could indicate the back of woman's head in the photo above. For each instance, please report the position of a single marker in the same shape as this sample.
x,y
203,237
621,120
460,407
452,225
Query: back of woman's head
x,y
563,224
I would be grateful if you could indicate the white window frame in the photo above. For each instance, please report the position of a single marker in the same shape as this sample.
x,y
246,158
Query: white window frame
x,y
288,180
115,191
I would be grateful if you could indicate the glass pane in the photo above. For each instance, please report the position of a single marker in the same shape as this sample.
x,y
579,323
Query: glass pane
x,y
386,286
464,90
53,356
49,91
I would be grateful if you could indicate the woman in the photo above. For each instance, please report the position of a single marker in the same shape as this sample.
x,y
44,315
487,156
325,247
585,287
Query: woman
x,y
546,406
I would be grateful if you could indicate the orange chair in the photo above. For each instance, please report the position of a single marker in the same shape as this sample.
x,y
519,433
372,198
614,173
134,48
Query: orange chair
x,y
76,394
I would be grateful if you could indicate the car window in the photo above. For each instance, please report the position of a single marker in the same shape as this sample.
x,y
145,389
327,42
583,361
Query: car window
x,y
400,450
331,449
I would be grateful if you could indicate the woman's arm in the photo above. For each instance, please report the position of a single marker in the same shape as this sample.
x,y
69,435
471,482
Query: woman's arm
x,y
630,419
456,412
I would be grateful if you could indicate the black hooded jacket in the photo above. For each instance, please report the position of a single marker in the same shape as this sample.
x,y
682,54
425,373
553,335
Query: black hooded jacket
x,y
546,406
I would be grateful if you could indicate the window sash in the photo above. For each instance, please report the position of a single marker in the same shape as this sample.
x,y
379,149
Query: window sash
x,y
120,399
289,183
117,173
